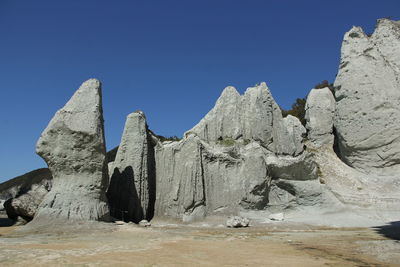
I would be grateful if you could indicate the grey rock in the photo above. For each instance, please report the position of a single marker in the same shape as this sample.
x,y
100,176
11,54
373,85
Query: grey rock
x,y
144,223
195,179
236,222
132,188
18,185
276,217
320,112
252,116
294,132
367,117
22,195
74,149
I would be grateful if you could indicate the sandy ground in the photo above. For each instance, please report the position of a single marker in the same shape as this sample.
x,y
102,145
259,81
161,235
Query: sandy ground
x,y
166,244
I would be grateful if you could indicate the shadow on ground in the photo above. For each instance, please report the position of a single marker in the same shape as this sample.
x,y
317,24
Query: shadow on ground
x,y
391,230
5,222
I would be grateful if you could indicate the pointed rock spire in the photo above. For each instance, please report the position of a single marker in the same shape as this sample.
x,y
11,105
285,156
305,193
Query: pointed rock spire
x,y
73,147
132,193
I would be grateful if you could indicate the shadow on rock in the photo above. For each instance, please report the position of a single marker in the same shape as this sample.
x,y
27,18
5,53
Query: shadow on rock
x,y
391,230
123,197
5,222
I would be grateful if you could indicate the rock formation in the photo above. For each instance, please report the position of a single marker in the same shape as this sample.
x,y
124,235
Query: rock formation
x,y
132,187
320,112
22,195
253,116
228,161
195,179
243,156
368,99
74,149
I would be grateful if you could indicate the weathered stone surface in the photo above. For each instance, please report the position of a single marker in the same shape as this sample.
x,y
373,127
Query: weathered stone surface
x,y
368,99
252,116
320,112
195,179
74,149
26,204
132,188
236,222
276,217
22,183
22,195
294,132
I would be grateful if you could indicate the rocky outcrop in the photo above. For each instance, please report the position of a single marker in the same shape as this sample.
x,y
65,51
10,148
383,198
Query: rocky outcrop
x,y
22,195
367,117
231,158
74,149
242,157
195,179
252,116
15,186
320,112
132,187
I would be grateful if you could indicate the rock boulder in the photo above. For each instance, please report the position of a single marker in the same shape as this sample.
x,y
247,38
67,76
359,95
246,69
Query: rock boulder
x,y
132,188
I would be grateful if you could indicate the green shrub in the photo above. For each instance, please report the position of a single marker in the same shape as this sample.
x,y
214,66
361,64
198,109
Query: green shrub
x,y
354,35
226,141
324,84
298,110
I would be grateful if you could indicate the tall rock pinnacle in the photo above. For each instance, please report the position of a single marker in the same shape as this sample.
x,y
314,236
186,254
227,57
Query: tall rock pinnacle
x,y
132,193
73,147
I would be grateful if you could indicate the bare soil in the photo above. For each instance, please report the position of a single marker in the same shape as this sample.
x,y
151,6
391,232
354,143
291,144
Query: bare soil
x,y
163,244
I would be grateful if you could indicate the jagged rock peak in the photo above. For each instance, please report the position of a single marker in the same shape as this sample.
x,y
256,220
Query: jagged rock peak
x,y
131,193
368,97
251,116
73,147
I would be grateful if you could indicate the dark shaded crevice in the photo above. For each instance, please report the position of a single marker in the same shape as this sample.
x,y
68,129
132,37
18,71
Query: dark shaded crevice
x,y
151,171
123,199
336,147
127,200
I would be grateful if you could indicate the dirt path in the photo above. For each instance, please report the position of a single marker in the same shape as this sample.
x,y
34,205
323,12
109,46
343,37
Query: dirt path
x,y
129,245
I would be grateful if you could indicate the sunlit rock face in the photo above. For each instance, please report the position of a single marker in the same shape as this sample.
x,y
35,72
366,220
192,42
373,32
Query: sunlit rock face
x,y
252,116
230,159
320,112
368,99
74,149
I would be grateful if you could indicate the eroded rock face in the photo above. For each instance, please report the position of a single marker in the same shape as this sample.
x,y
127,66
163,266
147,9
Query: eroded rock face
x,y
74,149
132,188
195,179
320,112
253,116
22,195
368,99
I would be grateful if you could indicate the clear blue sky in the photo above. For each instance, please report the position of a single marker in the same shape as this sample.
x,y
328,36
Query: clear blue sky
x,y
170,59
